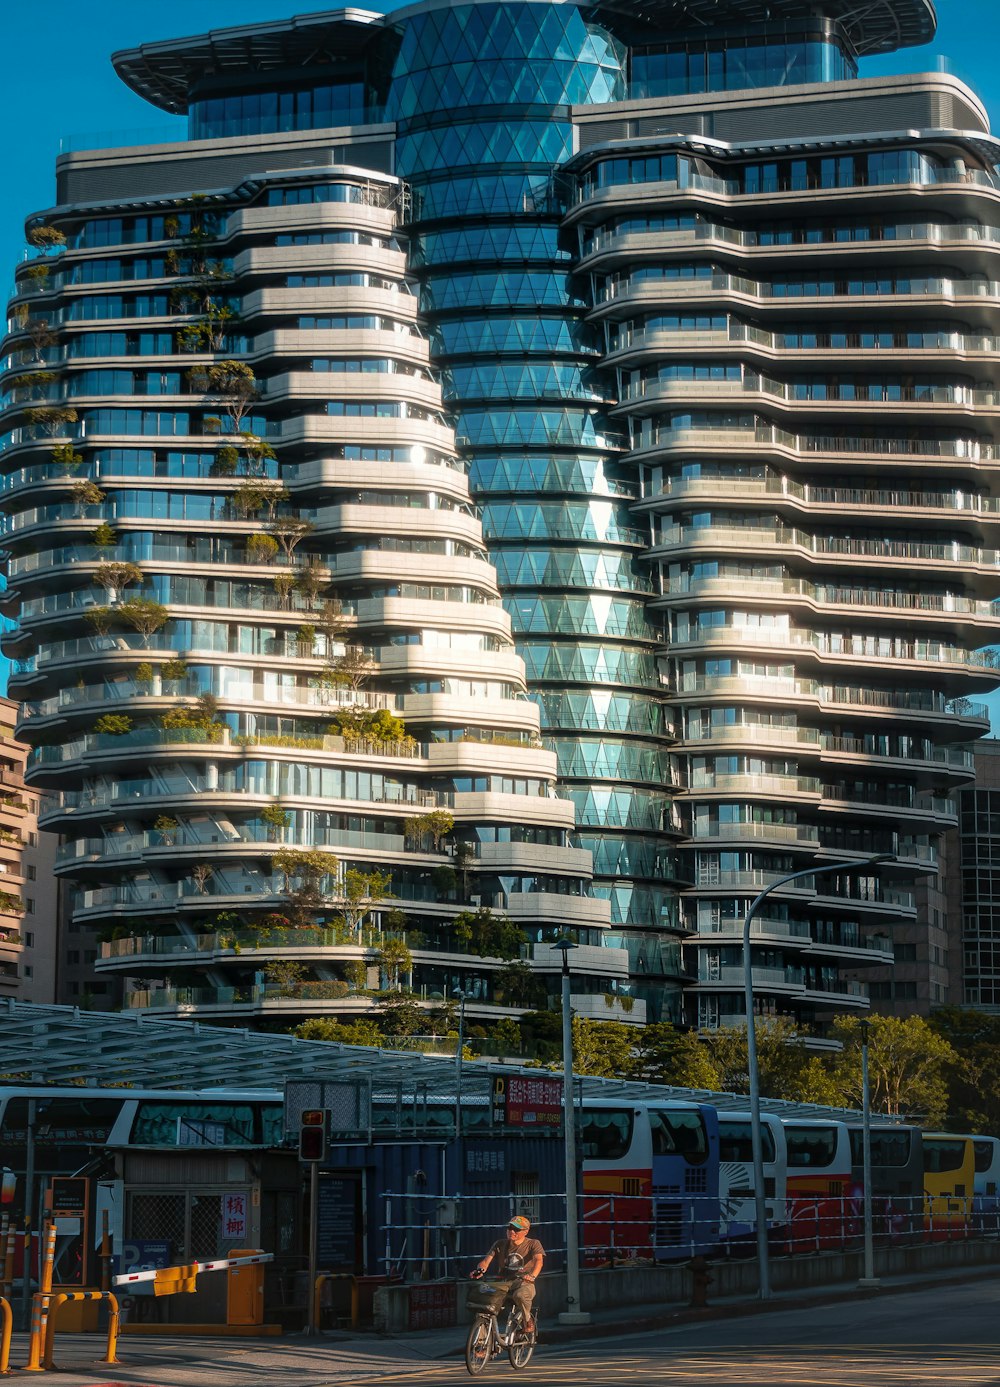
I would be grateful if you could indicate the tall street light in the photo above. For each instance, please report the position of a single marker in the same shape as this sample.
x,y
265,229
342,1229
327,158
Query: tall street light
x,y
757,1138
462,996
869,1281
572,1314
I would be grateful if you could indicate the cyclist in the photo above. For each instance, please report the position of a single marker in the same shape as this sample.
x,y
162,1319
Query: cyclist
x,y
516,1255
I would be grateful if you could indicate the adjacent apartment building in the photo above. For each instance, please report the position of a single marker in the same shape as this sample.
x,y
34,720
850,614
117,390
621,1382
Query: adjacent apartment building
x,y
511,461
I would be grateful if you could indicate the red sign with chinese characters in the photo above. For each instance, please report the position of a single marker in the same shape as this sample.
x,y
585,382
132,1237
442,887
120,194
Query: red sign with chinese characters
x,y
532,1102
433,1307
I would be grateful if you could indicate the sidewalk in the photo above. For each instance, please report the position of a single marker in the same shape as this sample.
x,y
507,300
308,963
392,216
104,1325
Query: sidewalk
x,y
342,1358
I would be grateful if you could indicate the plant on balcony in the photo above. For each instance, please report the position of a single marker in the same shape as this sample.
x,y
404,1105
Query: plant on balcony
x,y
256,452
201,875
51,419
39,331
64,455
234,385
86,493
144,675
303,871
305,638
432,828
261,548
115,575
248,499
356,974
100,619
36,277
144,615
309,583
198,718
218,322
290,531
394,959
352,670
363,893
365,728
226,462
104,537
284,585
113,724
174,671
444,880
285,975
276,819
46,238
360,1032
166,826
11,904
487,935
36,382
324,990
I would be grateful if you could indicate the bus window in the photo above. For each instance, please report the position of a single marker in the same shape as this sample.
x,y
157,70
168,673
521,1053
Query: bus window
x,y
984,1155
193,1124
679,1134
888,1148
83,1121
810,1146
941,1156
736,1142
606,1133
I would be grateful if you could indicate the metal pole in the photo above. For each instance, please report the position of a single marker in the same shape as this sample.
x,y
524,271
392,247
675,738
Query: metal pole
x,y
757,1138
29,1214
572,1314
458,1061
869,1281
313,1326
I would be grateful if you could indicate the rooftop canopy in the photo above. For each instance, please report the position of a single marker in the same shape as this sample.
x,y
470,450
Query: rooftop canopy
x,y
165,73
63,1045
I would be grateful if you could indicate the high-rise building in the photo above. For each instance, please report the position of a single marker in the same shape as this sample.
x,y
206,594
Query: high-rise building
x,y
701,320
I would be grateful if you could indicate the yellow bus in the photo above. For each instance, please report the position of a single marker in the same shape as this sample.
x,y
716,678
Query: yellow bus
x,y
949,1184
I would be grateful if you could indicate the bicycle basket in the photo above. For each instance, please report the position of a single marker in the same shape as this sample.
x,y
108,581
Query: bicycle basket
x,y
486,1295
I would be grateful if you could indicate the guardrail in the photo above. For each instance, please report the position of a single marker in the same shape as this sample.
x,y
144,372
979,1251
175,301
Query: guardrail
x,y
113,1324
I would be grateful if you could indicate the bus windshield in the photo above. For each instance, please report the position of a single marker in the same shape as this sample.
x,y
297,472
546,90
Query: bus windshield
x,y
811,1146
984,1155
679,1134
606,1133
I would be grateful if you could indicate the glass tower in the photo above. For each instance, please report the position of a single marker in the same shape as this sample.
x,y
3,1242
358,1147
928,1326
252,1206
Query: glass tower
x,y
707,344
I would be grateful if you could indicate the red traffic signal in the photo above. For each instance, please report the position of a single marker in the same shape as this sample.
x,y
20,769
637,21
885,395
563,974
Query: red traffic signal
x,y
312,1135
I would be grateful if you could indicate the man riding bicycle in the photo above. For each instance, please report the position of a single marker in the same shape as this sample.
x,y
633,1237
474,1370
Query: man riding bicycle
x,y
516,1255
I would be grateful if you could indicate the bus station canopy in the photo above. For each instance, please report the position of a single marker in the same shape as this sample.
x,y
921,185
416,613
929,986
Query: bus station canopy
x,y
64,1045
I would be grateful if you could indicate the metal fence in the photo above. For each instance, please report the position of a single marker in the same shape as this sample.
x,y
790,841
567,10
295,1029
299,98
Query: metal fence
x,y
429,1236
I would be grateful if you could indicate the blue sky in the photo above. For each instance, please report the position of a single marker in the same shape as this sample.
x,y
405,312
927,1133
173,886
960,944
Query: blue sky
x,y
59,83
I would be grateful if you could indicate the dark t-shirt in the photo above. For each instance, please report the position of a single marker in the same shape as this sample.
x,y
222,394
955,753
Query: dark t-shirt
x,y
508,1260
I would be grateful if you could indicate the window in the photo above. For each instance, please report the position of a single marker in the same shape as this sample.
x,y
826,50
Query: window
x,y
679,1134
606,1135
32,872
814,1147
736,1141
942,1156
29,905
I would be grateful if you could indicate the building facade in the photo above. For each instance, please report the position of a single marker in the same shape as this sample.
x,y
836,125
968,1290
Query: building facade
x,y
601,399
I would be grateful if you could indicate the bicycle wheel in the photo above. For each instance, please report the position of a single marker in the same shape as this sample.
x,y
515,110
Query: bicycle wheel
x,y
478,1345
521,1348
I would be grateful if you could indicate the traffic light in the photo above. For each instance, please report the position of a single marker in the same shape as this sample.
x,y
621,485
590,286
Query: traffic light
x,y
8,1183
313,1134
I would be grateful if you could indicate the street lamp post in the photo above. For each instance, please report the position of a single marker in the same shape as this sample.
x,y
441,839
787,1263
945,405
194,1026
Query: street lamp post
x,y
868,1282
572,1314
457,992
757,1138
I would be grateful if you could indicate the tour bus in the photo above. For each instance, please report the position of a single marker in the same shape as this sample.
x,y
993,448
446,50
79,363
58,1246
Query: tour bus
x,y
820,1213
650,1179
949,1184
737,1208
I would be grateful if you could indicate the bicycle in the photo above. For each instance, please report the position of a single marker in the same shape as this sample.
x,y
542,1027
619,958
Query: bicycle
x,y
486,1338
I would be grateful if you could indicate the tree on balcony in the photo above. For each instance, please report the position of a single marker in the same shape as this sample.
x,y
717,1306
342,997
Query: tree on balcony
x,y
290,531
113,724
276,819
39,331
286,975
51,419
364,892
261,548
46,238
34,383
432,828
234,386
144,615
115,575
104,537
85,494
303,872
394,959
65,456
